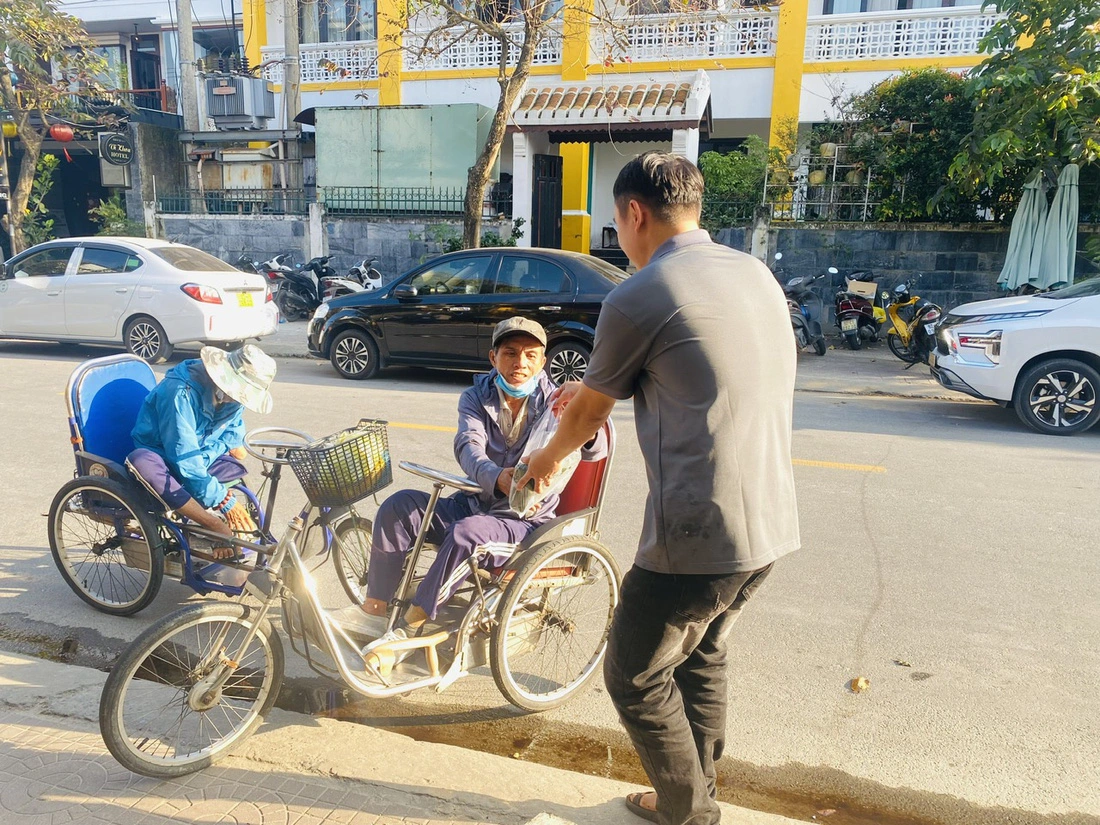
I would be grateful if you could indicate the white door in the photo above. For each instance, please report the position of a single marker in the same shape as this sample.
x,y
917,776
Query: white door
x,y
99,291
32,293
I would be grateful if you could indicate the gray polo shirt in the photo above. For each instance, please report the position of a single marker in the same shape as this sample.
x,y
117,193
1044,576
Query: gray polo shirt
x,y
702,340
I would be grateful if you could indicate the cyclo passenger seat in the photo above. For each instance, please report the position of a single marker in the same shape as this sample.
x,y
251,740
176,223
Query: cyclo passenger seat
x,y
104,397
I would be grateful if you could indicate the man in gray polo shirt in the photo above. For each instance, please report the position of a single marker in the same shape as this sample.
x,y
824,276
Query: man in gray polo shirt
x,y
701,339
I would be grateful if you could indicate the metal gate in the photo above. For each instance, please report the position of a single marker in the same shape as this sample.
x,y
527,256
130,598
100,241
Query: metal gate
x,y
546,202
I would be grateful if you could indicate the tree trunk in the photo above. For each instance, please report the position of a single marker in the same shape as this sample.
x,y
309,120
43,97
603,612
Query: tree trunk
x,y
510,84
21,192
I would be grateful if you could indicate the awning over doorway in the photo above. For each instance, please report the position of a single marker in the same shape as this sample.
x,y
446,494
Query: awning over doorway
x,y
588,112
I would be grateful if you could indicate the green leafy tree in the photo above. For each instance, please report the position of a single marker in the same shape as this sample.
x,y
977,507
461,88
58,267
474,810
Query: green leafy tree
x,y
44,55
1036,96
734,182
112,219
37,223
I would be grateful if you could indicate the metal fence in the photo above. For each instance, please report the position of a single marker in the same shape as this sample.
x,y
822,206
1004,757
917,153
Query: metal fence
x,y
407,201
235,202
721,210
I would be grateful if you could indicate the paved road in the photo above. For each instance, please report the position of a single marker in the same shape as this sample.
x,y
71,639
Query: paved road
x,y
949,557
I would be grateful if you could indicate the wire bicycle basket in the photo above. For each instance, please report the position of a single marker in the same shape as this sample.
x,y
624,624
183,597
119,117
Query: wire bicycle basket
x,y
340,469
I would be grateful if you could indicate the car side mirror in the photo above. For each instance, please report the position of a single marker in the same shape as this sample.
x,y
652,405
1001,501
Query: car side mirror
x,y
405,292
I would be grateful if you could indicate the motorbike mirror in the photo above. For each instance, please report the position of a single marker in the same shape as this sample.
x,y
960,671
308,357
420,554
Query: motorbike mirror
x,y
405,292
885,295
779,256
833,270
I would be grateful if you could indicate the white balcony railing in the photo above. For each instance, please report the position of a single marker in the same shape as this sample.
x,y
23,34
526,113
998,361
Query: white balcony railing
x,y
461,48
663,37
326,62
879,35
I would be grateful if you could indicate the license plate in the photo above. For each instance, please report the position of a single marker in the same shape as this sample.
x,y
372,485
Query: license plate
x,y
244,299
930,329
848,324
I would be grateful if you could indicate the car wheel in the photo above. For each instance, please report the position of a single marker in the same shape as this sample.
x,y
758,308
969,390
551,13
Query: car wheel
x,y
145,338
567,362
1058,396
355,355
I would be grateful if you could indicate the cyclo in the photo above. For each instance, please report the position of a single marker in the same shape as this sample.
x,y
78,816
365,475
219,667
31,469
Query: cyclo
x,y
114,541
199,681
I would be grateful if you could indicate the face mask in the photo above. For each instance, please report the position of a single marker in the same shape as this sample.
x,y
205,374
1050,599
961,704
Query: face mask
x,y
522,391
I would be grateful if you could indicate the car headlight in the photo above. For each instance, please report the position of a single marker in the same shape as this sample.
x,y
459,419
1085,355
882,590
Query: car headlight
x,y
321,311
989,343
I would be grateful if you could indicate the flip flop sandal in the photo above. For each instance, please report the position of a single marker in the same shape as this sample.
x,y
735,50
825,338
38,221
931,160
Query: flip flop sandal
x,y
634,803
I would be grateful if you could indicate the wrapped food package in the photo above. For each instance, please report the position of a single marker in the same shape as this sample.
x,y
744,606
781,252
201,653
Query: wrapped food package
x,y
524,500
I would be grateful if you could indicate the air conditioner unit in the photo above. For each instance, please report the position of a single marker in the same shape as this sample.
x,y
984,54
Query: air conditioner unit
x,y
239,102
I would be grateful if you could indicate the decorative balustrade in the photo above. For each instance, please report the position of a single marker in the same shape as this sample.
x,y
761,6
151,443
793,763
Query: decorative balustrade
x,y
326,62
878,35
663,37
461,48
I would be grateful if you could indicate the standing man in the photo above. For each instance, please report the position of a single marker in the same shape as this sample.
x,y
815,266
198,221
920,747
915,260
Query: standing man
x,y
701,339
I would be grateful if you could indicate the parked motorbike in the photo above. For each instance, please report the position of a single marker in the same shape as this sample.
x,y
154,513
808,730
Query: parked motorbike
x,y
245,263
363,277
801,301
301,291
858,317
912,334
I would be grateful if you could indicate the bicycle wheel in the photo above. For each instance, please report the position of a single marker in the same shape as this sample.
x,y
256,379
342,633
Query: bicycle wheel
x,y
351,555
106,546
553,622
157,713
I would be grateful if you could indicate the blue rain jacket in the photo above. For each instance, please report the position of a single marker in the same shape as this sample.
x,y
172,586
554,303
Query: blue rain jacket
x,y
179,421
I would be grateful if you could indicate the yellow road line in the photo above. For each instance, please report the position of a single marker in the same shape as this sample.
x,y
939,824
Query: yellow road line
x,y
433,427
834,465
799,462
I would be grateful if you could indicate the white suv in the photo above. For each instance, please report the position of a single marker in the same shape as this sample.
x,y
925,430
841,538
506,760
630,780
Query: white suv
x,y
1040,353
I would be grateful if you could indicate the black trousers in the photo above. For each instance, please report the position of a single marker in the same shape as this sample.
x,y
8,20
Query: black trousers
x,y
665,671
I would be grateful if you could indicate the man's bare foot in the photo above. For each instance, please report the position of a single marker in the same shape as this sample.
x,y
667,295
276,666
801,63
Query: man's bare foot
x,y
375,607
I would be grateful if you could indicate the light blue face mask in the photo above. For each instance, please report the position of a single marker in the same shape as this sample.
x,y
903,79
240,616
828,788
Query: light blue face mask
x,y
522,391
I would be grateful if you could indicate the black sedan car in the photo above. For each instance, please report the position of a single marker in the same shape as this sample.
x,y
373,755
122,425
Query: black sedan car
x,y
442,313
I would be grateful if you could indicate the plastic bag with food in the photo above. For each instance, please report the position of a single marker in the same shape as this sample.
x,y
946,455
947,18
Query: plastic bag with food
x,y
524,500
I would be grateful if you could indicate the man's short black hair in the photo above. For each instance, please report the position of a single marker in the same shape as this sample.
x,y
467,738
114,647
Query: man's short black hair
x,y
670,185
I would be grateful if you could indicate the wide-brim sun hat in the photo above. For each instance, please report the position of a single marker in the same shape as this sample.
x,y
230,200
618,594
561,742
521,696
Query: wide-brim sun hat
x,y
243,374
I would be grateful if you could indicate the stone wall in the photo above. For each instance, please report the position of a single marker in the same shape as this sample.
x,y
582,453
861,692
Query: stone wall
x,y
158,166
398,244
958,263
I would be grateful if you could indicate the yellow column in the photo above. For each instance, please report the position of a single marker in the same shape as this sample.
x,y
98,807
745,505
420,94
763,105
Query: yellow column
x,y
254,20
790,53
392,16
576,220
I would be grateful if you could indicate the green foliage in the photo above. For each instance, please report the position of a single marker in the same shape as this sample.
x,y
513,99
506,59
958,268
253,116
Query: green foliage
x,y
37,226
449,239
734,182
1092,249
111,217
1037,96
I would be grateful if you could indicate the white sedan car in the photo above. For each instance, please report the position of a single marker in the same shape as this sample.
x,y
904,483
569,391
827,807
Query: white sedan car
x,y
146,294
1040,353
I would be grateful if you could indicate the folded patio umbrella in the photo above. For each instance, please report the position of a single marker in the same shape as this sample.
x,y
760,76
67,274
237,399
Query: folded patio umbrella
x,y
1058,247
1025,235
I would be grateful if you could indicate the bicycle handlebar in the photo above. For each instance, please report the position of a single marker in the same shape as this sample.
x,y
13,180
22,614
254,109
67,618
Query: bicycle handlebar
x,y
440,477
254,447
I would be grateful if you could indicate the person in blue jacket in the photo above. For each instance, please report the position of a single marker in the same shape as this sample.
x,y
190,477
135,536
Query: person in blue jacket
x,y
189,436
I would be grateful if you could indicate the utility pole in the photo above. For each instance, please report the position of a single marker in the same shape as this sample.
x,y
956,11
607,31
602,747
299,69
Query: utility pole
x,y
292,94
188,81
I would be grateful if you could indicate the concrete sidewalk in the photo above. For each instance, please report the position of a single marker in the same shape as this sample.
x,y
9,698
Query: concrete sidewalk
x,y
296,770
872,370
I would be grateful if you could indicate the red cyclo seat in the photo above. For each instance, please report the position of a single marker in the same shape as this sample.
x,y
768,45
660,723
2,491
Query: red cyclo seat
x,y
583,489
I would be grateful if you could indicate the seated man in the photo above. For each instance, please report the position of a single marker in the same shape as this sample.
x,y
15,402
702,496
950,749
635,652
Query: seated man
x,y
495,417
190,436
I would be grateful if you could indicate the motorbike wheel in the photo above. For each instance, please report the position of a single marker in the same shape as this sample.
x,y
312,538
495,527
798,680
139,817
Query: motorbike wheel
x,y
909,356
853,339
820,346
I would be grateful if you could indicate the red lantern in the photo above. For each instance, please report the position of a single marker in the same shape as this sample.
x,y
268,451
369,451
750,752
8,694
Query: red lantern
x,y
61,133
